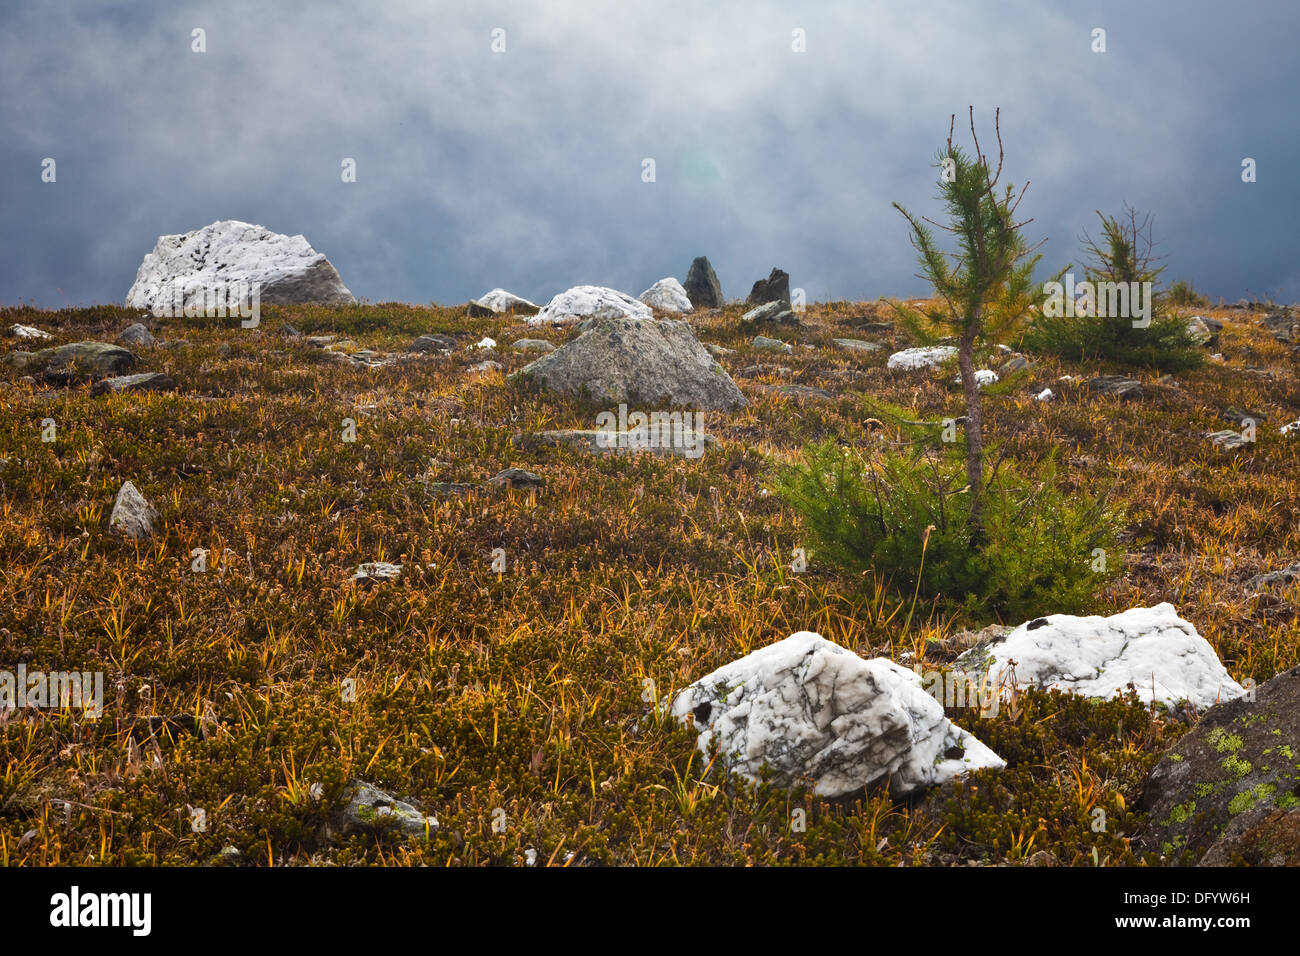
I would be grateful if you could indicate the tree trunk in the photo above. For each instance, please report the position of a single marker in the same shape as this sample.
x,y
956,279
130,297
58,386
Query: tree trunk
x,y
974,438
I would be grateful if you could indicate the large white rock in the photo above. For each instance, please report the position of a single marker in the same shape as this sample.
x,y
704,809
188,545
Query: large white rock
x,y
667,295
588,302
983,376
1152,648
921,357
29,332
286,269
500,301
819,715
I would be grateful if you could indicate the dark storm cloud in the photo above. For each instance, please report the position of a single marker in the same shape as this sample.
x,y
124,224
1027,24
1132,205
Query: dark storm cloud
x,y
523,168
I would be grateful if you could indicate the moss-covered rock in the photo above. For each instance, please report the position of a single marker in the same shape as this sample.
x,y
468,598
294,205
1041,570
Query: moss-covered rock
x,y
83,358
1273,840
1229,782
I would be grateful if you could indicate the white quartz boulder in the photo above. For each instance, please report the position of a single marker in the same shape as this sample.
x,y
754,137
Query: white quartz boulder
x,y
816,714
286,269
983,376
1151,649
667,295
921,357
28,332
499,301
591,302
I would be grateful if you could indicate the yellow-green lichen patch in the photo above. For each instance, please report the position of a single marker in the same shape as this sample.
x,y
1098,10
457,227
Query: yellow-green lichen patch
x,y
1241,802
1235,765
1224,742
1181,813
1248,798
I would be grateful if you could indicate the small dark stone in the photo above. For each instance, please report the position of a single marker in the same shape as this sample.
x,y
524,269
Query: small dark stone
x,y
703,712
1238,416
1118,385
878,328
1282,325
226,856
143,382
775,288
432,343
1036,624
517,478
702,286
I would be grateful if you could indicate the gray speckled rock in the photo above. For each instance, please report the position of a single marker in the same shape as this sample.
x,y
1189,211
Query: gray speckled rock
x,y
1273,579
377,571
1202,333
369,808
432,343
1228,440
143,382
621,359
1283,326
82,358
1116,385
858,345
533,345
516,478
771,345
135,335
776,313
132,515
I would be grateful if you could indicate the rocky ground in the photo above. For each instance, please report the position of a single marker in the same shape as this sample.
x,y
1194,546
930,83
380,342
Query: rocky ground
x,y
335,626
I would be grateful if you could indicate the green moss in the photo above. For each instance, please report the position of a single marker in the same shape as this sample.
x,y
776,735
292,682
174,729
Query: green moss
x,y
1241,802
1224,742
1247,799
1235,765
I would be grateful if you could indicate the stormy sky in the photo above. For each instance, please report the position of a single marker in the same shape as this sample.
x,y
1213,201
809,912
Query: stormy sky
x,y
524,168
